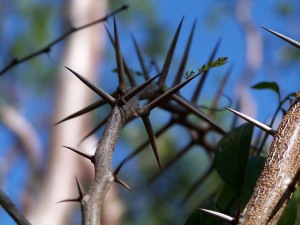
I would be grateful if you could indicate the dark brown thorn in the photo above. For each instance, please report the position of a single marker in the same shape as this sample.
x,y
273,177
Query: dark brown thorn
x,y
151,136
166,66
79,188
116,172
157,134
136,90
119,181
203,78
90,157
96,89
256,123
220,90
197,184
80,192
129,106
169,93
185,57
283,37
126,68
172,161
141,59
219,215
86,109
190,107
93,130
119,59
237,214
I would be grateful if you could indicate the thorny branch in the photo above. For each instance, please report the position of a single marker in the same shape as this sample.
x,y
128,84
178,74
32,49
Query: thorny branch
x,y
47,48
126,105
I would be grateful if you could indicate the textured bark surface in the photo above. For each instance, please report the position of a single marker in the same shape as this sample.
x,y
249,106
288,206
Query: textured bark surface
x,y
277,181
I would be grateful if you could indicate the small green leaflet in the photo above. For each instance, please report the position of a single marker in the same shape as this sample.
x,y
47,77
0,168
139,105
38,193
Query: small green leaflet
x,y
219,62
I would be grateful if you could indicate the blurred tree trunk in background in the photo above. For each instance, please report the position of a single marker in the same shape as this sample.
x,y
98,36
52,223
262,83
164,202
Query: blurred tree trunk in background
x,y
83,53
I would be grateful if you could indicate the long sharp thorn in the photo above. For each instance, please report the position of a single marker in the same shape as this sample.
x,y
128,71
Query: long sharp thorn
x,y
151,136
203,78
258,124
93,130
184,103
119,181
69,200
80,192
119,58
90,157
219,215
87,109
283,37
79,188
169,57
185,57
96,89
135,90
141,59
126,68
157,134
169,93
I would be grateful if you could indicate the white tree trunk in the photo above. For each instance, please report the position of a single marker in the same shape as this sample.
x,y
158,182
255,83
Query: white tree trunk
x,y
83,54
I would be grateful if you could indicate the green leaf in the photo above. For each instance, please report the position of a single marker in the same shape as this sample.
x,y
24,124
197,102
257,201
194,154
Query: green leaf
x,y
290,212
219,62
231,156
268,85
226,201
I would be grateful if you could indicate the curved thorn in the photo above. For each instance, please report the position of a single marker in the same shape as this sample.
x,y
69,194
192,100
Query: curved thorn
x,y
283,37
96,89
258,124
86,109
151,136
90,157
185,56
219,215
169,57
